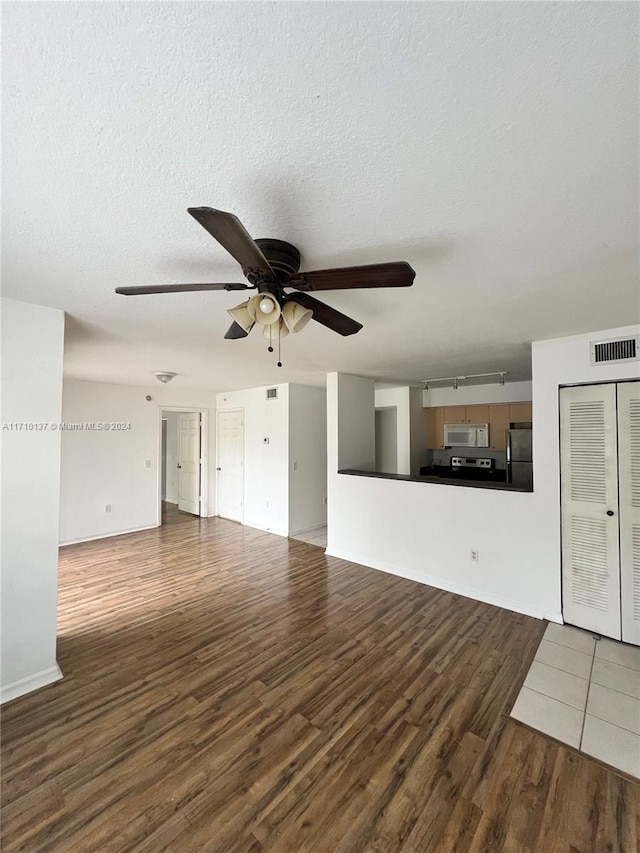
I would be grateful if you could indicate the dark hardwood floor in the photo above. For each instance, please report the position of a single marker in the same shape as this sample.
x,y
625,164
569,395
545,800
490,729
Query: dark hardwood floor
x,y
229,690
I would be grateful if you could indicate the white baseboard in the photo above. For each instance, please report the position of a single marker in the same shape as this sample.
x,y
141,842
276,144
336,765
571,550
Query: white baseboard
x,y
308,529
106,535
30,683
264,529
448,586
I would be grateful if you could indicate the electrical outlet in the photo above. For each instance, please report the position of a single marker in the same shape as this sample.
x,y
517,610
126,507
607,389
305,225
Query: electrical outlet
x,y
147,463
324,500
107,507
295,466
475,555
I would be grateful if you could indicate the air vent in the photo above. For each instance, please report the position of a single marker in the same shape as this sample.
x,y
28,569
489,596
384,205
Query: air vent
x,y
272,393
616,350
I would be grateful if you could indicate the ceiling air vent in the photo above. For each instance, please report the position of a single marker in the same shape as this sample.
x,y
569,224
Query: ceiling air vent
x,y
618,349
272,393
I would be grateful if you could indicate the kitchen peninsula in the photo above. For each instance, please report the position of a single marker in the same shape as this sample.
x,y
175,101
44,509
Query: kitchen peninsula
x,y
439,480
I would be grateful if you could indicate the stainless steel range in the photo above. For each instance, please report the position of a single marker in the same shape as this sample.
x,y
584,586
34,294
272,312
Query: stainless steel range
x,y
473,468
471,463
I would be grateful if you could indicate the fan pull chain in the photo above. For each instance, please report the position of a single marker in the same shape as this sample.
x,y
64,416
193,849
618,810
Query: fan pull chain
x,y
270,347
279,328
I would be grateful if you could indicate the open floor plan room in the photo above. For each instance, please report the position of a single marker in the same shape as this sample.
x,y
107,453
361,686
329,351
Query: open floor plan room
x,y
230,690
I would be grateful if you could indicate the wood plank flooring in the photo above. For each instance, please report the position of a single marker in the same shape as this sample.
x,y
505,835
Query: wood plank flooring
x,y
229,690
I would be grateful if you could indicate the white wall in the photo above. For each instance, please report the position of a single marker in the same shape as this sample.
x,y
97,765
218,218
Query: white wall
x,y
32,348
418,436
266,481
398,398
109,467
411,451
468,395
354,406
172,458
307,458
387,440
425,531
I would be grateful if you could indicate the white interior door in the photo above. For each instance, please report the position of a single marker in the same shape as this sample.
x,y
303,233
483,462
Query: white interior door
x,y
230,467
189,462
589,512
629,476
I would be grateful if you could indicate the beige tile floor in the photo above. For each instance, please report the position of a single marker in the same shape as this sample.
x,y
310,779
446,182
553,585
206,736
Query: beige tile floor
x,y
313,537
585,692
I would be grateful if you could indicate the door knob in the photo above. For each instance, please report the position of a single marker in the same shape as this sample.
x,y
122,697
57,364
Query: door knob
x,y
178,465
610,512
218,469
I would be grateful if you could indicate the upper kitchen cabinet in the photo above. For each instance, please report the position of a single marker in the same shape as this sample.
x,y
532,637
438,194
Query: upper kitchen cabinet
x,y
466,414
434,427
498,425
501,416
455,414
520,412
498,415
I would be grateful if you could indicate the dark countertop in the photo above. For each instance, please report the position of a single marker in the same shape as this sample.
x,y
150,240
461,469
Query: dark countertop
x,y
434,478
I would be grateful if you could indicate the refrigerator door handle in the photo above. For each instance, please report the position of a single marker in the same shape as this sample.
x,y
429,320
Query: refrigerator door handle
x,y
508,444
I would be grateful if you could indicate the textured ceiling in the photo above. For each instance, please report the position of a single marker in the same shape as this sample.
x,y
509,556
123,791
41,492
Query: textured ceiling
x,y
494,146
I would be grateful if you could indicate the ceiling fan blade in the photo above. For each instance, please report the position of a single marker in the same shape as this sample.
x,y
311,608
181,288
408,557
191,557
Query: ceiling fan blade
x,y
235,331
395,274
178,288
227,229
326,315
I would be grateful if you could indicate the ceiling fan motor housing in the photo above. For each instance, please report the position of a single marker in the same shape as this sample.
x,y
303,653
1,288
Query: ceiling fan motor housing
x,y
283,258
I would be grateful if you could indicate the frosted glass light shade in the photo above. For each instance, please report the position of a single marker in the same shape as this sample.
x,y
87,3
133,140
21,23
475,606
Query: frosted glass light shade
x,y
274,329
260,316
295,316
240,315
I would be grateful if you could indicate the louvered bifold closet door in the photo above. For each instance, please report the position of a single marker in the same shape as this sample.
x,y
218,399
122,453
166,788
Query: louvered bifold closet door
x,y
589,490
629,475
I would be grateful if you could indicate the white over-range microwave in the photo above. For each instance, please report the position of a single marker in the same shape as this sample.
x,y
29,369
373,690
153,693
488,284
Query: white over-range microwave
x,y
466,435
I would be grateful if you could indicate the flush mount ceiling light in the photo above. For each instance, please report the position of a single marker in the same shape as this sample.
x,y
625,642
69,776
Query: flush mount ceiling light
x,y
456,380
164,376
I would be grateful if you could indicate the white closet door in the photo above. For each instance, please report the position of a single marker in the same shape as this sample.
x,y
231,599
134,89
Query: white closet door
x,y
589,491
230,482
189,462
629,474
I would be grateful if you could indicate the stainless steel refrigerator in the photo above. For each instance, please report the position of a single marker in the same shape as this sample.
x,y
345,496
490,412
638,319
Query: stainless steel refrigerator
x,y
519,456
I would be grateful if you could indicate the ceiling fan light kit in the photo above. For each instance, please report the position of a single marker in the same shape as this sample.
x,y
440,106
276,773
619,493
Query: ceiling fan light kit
x,y
274,330
240,315
264,308
272,265
295,317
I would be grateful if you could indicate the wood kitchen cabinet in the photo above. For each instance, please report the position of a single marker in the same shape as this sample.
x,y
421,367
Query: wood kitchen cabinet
x,y
455,414
498,426
477,415
434,427
466,414
520,412
497,415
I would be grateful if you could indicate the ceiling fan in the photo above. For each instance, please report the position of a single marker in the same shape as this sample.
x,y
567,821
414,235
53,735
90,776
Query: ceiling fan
x,y
271,266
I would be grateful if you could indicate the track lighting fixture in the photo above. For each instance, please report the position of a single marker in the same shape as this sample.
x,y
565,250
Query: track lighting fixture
x,y
456,380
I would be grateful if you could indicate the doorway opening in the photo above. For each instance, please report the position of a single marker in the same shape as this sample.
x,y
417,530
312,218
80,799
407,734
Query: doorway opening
x,y
386,436
183,475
